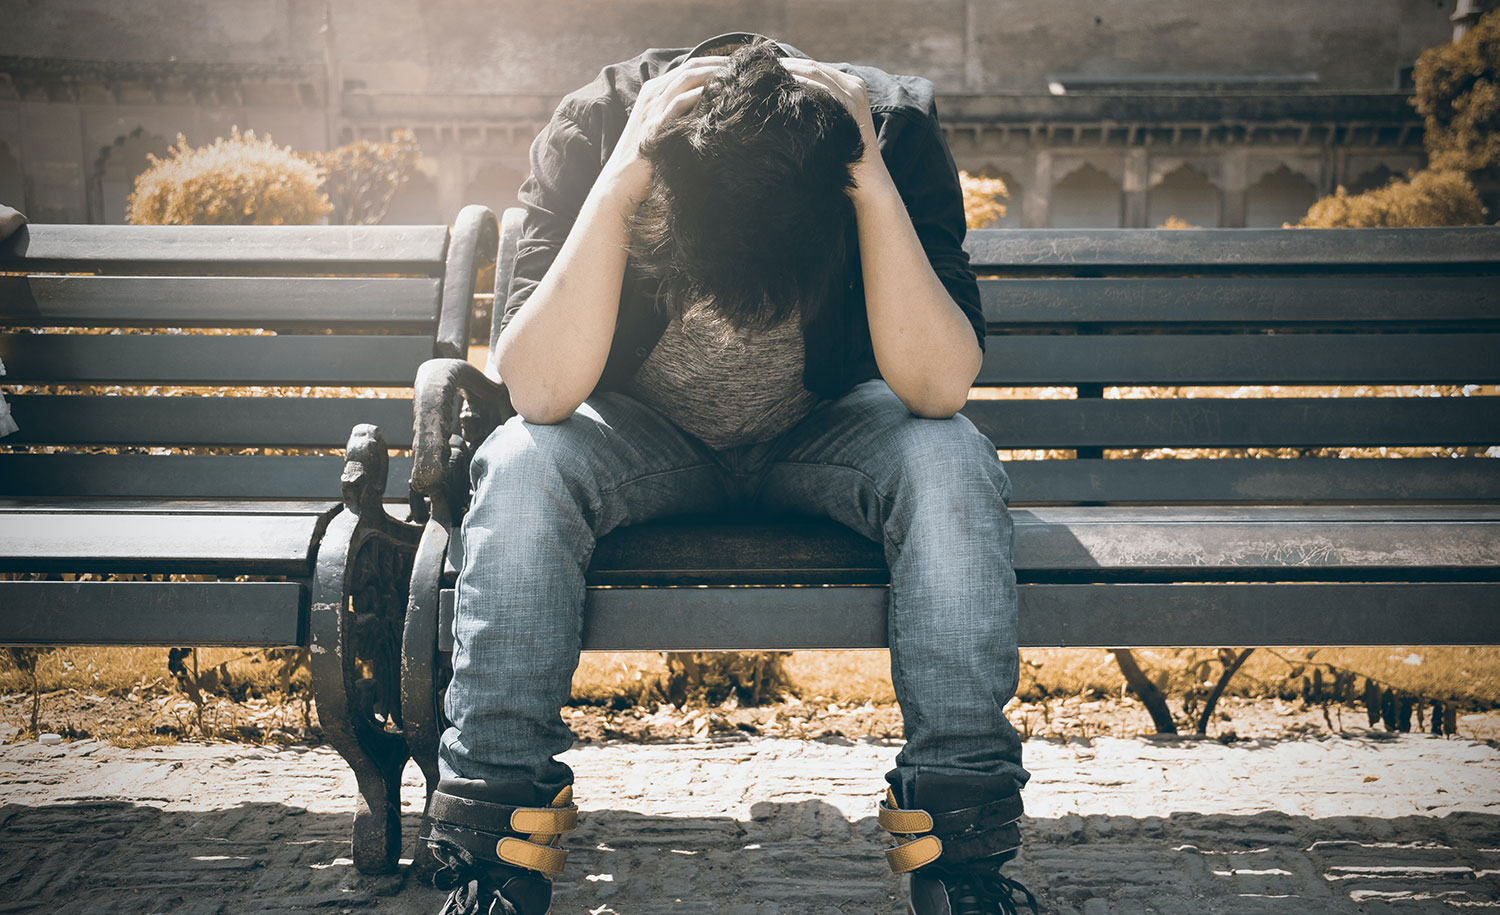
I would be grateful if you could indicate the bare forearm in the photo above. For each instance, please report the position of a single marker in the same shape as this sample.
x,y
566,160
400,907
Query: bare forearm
x,y
923,342
553,351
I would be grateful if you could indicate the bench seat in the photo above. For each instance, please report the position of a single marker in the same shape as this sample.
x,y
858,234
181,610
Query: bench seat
x,y
243,537
1083,543
1088,575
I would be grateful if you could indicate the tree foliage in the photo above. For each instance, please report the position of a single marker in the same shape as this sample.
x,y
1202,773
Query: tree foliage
x,y
982,196
1458,96
362,177
1428,198
239,180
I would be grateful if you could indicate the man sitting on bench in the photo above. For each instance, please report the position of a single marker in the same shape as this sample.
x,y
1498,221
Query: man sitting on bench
x,y
740,287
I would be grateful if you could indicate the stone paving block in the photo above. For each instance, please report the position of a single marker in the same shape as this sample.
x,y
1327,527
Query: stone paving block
x,y
753,826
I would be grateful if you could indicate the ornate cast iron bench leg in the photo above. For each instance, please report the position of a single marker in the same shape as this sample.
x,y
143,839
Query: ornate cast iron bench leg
x,y
423,675
358,613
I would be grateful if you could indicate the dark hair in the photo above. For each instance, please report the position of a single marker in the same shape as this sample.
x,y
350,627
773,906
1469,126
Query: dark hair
x,y
749,202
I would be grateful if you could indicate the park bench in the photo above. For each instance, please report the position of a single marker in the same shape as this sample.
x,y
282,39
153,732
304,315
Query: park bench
x,y
1116,544
230,506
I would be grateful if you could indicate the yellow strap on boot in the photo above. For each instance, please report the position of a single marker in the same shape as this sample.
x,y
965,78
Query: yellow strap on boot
x,y
915,854
538,850
908,856
902,822
522,853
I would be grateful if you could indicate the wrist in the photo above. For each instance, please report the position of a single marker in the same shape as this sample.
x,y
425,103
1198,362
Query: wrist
x,y
625,183
872,181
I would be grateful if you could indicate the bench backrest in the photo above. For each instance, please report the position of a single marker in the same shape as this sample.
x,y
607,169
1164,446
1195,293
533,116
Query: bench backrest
x,y
1294,344
281,337
1227,330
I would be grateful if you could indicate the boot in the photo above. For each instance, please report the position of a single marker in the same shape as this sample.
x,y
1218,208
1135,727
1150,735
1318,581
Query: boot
x,y
952,839
497,845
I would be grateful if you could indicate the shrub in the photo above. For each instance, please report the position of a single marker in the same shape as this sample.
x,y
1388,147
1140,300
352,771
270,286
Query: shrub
x,y
1458,96
982,198
235,181
1429,198
363,177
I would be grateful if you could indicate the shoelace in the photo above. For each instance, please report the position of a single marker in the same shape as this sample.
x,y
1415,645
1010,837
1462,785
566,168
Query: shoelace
x,y
465,898
987,894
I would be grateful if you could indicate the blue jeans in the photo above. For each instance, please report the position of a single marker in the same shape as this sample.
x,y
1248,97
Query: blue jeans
x,y
932,491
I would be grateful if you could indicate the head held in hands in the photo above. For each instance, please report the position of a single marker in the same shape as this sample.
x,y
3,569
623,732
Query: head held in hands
x,y
749,201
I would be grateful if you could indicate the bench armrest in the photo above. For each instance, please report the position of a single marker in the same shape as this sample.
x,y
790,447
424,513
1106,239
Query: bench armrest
x,y
471,249
456,407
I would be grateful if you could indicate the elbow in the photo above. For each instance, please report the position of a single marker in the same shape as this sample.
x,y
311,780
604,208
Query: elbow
x,y
540,410
934,402
941,398
537,405
535,400
937,408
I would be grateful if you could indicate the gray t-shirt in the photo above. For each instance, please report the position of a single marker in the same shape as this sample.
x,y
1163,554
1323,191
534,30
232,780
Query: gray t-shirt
x,y
724,386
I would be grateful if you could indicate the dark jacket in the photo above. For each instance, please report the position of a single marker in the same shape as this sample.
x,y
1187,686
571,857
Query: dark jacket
x,y
569,154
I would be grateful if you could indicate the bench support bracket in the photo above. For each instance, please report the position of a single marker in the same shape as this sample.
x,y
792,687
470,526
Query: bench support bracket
x,y
364,565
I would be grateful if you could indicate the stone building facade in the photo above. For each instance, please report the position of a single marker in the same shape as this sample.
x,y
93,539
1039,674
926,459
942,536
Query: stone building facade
x,y
1100,113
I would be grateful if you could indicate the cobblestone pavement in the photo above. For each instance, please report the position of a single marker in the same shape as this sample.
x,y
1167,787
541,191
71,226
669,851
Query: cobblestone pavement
x,y
766,825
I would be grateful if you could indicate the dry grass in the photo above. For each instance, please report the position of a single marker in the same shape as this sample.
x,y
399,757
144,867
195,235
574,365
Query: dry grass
x,y
1468,675
84,687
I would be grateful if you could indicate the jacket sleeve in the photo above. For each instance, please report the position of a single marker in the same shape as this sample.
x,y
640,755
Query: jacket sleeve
x,y
565,162
917,155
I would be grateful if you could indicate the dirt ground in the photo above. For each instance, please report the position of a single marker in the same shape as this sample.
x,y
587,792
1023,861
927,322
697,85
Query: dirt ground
x,y
753,811
1361,824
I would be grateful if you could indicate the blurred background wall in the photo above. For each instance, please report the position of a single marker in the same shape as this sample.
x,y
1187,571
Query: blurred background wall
x,y
1098,113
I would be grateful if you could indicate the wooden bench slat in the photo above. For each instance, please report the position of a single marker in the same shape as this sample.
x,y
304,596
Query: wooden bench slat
x,y
313,359
228,250
1055,615
385,303
1205,543
67,504
1191,359
100,540
1257,301
1233,423
1065,250
190,476
267,614
1329,480
290,422
1282,543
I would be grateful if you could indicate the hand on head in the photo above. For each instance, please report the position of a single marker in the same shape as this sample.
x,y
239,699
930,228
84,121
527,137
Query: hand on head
x,y
662,98
674,93
848,89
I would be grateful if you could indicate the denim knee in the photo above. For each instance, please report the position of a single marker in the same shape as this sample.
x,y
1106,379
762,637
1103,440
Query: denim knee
x,y
535,463
947,454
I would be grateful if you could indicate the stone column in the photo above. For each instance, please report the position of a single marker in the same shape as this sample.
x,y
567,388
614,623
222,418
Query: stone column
x,y
1136,184
1035,209
1236,171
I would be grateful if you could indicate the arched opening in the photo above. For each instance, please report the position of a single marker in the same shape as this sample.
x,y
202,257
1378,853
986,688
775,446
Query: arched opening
x,y
118,166
1279,197
1086,199
495,186
1186,194
416,204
